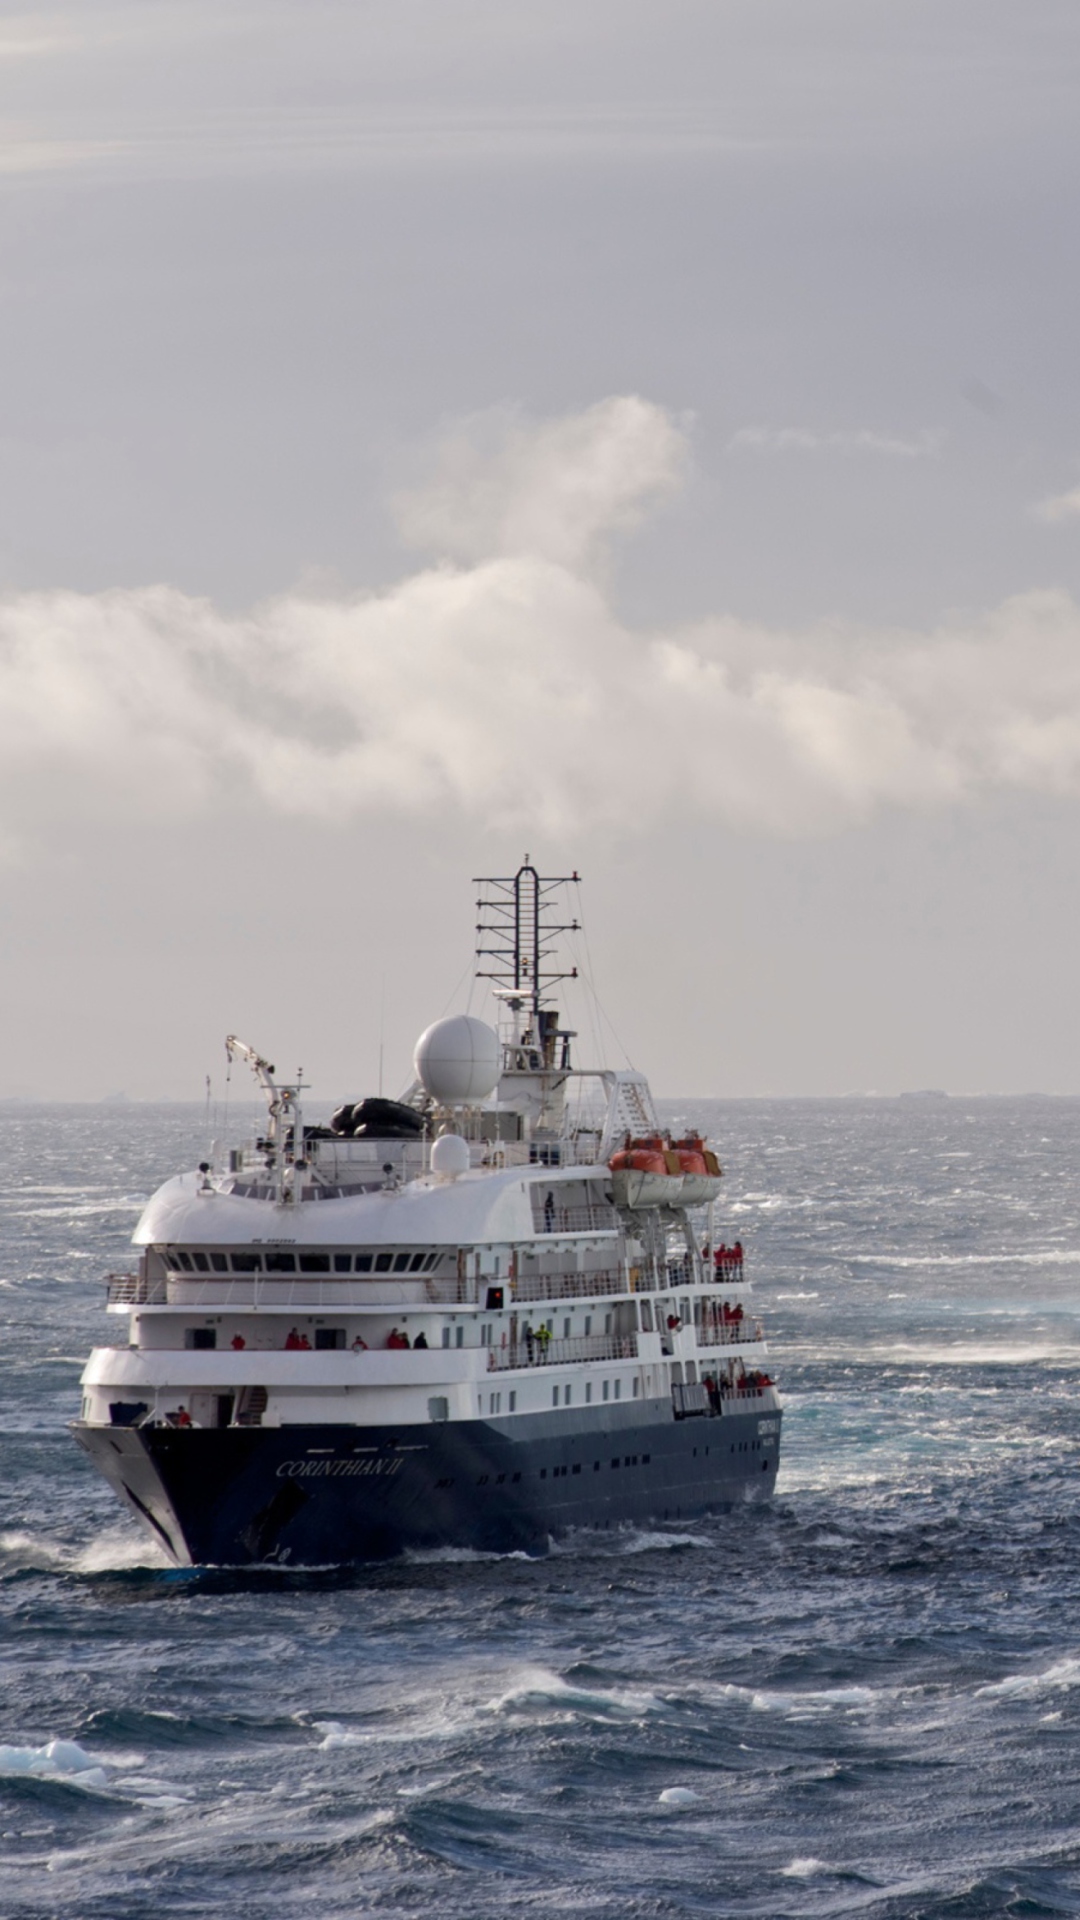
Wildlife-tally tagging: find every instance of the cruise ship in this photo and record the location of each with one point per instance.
(483, 1315)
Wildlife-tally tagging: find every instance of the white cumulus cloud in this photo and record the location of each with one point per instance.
(762, 439)
(1059, 507)
(499, 680)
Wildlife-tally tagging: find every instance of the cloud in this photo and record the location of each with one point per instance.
(840, 440)
(502, 682)
(504, 485)
(1059, 507)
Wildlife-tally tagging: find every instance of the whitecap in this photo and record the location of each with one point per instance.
(679, 1797)
(1061, 1677)
(58, 1760)
(804, 1868)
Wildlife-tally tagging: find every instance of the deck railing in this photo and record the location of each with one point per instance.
(591, 1285)
(730, 1333)
(291, 1292)
(553, 1353)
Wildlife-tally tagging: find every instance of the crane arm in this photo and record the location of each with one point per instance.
(262, 1069)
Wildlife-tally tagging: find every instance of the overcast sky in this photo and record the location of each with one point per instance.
(646, 436)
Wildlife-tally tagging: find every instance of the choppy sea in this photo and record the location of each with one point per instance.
(864, 1700)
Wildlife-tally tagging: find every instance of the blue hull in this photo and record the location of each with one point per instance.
(318, 1495)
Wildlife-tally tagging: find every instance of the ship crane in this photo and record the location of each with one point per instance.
(286, 1129)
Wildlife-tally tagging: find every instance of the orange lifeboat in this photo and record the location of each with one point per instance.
(700, 1170)
(646, 1174)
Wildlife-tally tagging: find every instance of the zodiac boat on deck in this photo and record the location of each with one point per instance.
(478, 1317)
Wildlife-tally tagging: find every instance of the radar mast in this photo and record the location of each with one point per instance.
(517, 930)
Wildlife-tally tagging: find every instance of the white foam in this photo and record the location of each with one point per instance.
(117, 1549)
(804, 1868)
(537, 1688)
(58, 1760)
(679, 1797)
(822, 1700)
(1061, 1677)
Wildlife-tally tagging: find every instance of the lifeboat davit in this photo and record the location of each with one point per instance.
(645, 1173)
(700, 1170)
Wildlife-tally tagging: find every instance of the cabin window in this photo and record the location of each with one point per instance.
(459, 1336)
(554, 1396)
(329, 1339)
(314, 1263)
(446, 1336)
(219, 1262)
(485, 1334)
(566, 1329)
(280, 1262)
(618, 1389)
(343, 1263)
(588, 1392)
(382, 1262)
(588, 1324)
(202, 1264)
(438, 1407)
(607, 1389)
(200, 1339)
(637, 1386)
(363, 1263)
(566, 1395)
(416, 1263)
(607, 1323)
(401, 1263)
(496, 1402)
(512, 1399)
(247, 1262)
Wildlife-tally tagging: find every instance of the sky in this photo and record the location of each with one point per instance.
(641, 436)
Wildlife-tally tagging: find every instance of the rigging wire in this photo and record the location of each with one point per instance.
(597, 1008)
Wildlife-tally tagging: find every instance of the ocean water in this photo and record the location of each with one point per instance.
(864, 1700)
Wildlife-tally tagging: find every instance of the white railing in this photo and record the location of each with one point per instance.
(556, 1219)
(729, 1333)
(290, 1292)
(134, 1290)
(551, 1353)
(568, 1286)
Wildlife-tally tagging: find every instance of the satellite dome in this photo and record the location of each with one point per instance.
(458, 1061)
(450, 1155)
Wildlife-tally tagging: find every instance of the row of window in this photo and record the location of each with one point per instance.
(557, 1473)
(628, 1460)
(277, 1260)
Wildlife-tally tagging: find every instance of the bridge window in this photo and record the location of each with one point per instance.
(314, 1263)
(382, 1262)
(343, 1263)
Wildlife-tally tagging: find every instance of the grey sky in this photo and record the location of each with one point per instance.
(299, 301)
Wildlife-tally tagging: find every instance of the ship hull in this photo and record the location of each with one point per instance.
(321, 1495)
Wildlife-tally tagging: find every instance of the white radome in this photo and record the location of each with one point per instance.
(457, 1060)
(450, 1156)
